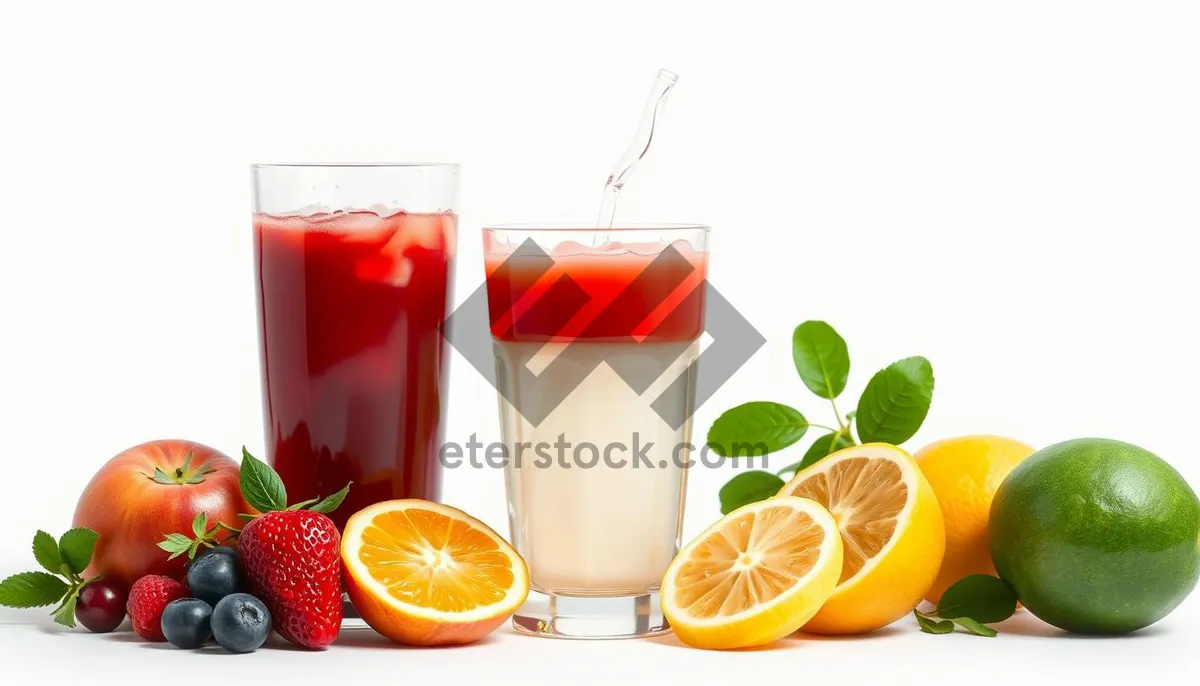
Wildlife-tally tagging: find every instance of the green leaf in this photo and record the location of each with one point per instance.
(261, 486)
(979, 597)
(200, 523)
(895, 402)
(45, 551)
(161, 477)
(301, 505)
(974, 628)
(820, 448)
(821, 358)
(823, 446)
(32, 589)
(176, 544)
(76, 548)
(65, 614)
(933, 625)
(748, 487)
(756, 428)
(332, 502)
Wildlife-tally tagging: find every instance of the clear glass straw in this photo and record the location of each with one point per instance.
(637, 148)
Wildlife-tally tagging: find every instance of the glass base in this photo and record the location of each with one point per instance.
(557, 616)
(350, 617)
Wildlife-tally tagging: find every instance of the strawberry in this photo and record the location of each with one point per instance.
(148, 598)
(290, 554)
(293, 564)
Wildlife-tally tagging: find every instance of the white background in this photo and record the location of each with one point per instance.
(1007, 188)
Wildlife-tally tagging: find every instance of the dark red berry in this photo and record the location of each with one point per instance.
(101, 606)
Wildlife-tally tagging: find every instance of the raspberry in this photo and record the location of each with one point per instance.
(147, 600)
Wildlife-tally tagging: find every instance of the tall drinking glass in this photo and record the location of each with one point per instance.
(353, 267)
(595, 334)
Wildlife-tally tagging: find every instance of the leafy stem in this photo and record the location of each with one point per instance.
(842, 429)
(891, 410)
(64, 560)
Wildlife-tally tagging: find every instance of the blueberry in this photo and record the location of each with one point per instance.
(219, 550)
(214, 576)
(187, 622)
(241, 623)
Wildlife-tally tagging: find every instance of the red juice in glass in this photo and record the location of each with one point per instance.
(351, 306)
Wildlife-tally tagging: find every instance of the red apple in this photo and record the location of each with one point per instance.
(149, 491)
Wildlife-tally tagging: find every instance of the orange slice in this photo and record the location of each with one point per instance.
(755, 576)
(427, 574)
(892, 529)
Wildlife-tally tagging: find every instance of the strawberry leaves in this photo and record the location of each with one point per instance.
(64, 561)
(261, 485)
(264, 491)
(332, 502)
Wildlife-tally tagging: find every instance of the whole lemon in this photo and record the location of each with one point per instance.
(965, 473)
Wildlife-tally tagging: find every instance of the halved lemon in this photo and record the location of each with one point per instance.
(427, 574)
(892, 529)
(755, 576)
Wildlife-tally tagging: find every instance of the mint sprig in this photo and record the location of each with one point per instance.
(64, 561)
(264, 491)
(891, 409)
(971, 604)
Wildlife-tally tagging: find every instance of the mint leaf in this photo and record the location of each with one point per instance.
(979, 597)
(176, 544)
(821, 358)
(933, 625)
(756, 428)
(32, 589)
(200, 523)
(45, 551)
(332, 502)
(261, 486)
(748, 487)
(974, 628)
(76, 547)
(895, 402)
(65, 614)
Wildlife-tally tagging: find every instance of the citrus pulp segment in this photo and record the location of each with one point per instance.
(892, 530)
(755, 576)
(427, 574)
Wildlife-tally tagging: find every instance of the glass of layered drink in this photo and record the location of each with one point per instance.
(596, 333)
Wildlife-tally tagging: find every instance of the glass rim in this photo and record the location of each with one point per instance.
(354, 165)
(578, 227)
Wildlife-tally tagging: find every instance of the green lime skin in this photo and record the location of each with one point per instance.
(1097, 536)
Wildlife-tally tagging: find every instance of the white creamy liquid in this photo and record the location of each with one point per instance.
(602, 530)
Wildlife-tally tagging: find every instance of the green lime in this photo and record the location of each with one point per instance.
(1097, 536)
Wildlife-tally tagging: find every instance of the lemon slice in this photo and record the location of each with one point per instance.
(892, 530)
(755, 576)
